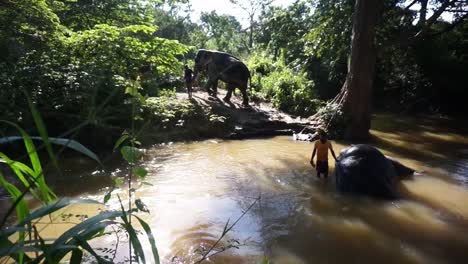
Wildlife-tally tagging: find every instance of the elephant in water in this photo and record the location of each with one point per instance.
(363, 169)
(225, 67)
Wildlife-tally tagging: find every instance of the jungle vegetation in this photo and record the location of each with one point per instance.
(93, 71)
(79, 60)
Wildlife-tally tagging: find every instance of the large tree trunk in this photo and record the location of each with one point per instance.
(251, 33)
(356, 93)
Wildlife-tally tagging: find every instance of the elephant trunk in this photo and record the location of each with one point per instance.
(197, 69)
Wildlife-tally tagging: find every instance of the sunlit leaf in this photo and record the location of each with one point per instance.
(121, 140)
(140, 172)
(118, 181)
(131, 154)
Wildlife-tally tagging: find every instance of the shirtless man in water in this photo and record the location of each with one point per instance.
(321, 147)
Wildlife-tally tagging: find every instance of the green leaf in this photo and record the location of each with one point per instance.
(7, 248)
(87, 224)
(88, 232)
(135, 242)
(118, 182)
(22, 210)
(131, 154)
(140, 172)
(42, 131)
(76, 257)
(108, 196)
(141, 206)
(121, 140)
(47, 194)
(19, 170)
(264, 261)
(85, 245)
(151, 239)
(75, 145)
(70, 143)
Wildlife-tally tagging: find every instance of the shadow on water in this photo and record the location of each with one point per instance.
(303, 220)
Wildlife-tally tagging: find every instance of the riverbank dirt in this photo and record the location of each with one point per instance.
(260, 119)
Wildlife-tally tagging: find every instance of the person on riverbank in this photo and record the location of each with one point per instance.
(321, 148)
(188, 75)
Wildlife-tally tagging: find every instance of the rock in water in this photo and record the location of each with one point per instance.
(363, 169)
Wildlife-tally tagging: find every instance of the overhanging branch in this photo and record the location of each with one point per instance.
(451, 26)
(410, 5)
(434, 18)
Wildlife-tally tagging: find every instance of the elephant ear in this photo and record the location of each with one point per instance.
(401, 170)
(206, 58)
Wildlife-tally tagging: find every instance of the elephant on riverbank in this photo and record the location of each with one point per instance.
(225, 67)
(363, 169)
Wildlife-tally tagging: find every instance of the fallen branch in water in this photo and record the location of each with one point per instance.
(225, 231)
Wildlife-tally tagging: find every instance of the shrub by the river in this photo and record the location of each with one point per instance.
(287, 88)
(172, 119)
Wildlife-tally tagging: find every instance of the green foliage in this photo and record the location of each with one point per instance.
(327, 45)
(78, 62)
(34, 172)
(131, 154)
(82, 14)
(310, 37)
(425, 76)
(289, 90)
(223, 32)
(76, 239)
(168, 112)
(284, 29)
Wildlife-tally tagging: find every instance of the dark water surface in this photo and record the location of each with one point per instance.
(197, 187)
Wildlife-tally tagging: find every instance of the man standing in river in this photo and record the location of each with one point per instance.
(321, 147)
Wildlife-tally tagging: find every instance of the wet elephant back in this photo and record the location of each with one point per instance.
(363, 169)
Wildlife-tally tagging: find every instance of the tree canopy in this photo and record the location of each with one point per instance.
(76, 58)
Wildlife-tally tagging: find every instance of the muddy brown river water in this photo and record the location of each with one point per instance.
(198, 186)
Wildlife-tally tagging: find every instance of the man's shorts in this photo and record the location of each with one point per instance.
(322, 166)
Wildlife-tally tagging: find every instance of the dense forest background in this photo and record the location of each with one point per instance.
(80, 61)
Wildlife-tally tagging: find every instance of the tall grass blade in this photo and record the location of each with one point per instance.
(8, 249)
(61, 250)
(76, 257)
(151, 239)
(135, 243)
(121, 140)
(134, 240)
(19, 170)
(81, 227)
(48, 195)
(22, 210)
(50, 208)
(42, 131)
(70, 143)
(85, 245)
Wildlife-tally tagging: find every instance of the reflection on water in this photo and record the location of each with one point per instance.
(198, 187)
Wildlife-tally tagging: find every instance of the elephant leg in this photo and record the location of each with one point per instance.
(215, 88)
(208, 86)
(245, 98)
(230, 89)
